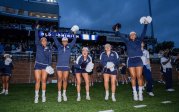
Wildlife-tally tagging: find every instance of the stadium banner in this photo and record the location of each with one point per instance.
(113, 39)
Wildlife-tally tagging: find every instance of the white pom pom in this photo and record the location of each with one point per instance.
(149, 19)
(142, 20)
(8, 61)
(89, 67)
(75, 28)
(49, 70)
(110, 64)
(112, 69)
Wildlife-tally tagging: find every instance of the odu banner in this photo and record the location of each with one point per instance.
(113, 39)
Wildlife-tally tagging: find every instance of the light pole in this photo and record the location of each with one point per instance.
(150, 13)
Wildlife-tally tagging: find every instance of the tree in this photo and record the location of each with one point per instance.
(164, 45)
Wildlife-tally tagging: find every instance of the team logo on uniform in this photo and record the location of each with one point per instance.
(112, 54)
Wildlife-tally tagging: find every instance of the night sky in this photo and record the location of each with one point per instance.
(102, 14)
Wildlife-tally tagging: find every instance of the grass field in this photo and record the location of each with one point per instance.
(21, 97)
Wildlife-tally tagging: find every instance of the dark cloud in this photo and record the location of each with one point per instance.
(102, 14)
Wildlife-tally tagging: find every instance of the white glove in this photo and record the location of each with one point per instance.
(8, 61)
(110, 65)
(75, 28)
(89, 67)
(49, 70)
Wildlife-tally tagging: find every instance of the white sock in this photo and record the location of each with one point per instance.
(134, 88)
(64, 92)
(36, 93)
(140, 89)
(6, 90)
(87, 93)
(107, 92)
(43, 93)
(59, 93)
(113, 94)
(78, 94)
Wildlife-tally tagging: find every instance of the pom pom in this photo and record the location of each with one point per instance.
(75, 28)
(8, 61)
(49, 70)
(89, 67)
(110, 64)
(149, 19)
(142, 20)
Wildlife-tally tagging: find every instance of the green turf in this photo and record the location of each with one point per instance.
(21, 97)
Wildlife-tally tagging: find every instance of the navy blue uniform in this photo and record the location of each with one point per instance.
(81, 64)
(123, 70)
(134, 49)
(64, 54)
(113, 57)
(7, 69)
(43, 55)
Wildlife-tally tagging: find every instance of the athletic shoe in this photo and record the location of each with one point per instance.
(2, 92)
(170, 90)
(113, 99)
(36, 100)
(59, 99)
(122, 82)
(150, 93)
(140, 97)
(106, 97)
(78, 98)
(6, 93)
(135, 96)
(43, 99)
(88, 98)
(64, 97)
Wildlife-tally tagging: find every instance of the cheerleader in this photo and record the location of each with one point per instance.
(123, 73)
(7, 67)
(83, 67)
(177, 67)
(147, 70)
(134, 61)
(63, 65)
(109, 60)
(42, 65)
(167, 70)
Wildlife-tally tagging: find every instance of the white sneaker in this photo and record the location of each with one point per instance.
(36, 100)
(78, 98)
(141, 97)
(2, 92)
(88, 98)
(150, 93)
(106, 97)
(113, 99)
(6, 93)
(43, 99)
(135, 96)
(59, 99)
(64, 97)
(170, 90)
